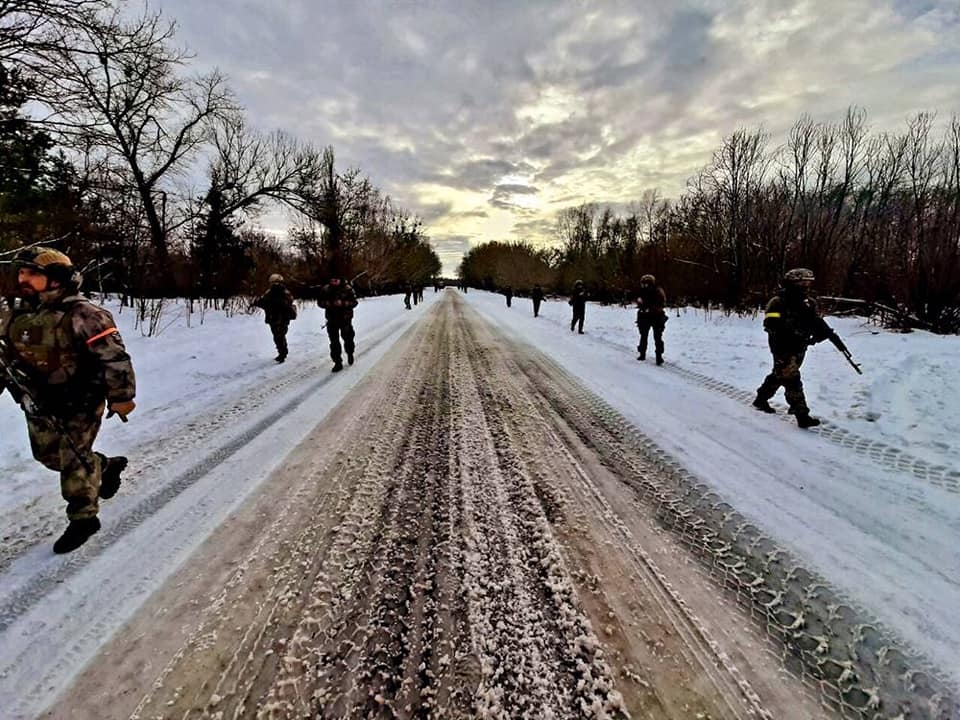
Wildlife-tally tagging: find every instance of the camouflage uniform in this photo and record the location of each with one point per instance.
(338, 302)
(537, 297)
(578, 301)
(792, 323)
(651, 316)
(279, 309)
(74, 358)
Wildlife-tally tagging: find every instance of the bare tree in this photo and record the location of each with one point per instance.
(250, 168)
(116, 86)
(30, 25)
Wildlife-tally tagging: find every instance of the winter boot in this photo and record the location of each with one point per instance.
(76, 534)
(659, 359)
(349, 358)
(805, 420)
(337, 366)
(110, 469)
(760, 404)
(280, 358)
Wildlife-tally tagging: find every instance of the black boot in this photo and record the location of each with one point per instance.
(280, 358)
(805, 420)
(349, 358)
(337, 366)
(76, 534)
(761, 404)
(110, 469)
(659, 359)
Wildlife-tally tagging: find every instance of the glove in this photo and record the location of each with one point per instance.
(122, 408)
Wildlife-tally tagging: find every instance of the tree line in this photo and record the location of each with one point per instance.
(875, 215)
(104, 166)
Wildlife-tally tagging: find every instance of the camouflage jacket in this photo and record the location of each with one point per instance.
(338, 302)
(578, 300)
(650, 305)
(70, 353)
(793, 322)
(277, 304)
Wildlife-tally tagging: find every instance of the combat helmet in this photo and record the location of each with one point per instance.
(798, 275)
(276, 278)
(648, 279)
(52, 263)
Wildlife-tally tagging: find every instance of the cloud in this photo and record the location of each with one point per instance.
(487, 117)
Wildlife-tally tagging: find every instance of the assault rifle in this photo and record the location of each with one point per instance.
(838, 344)
(18, 383)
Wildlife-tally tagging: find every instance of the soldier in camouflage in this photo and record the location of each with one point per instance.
(279, 310)
(338, 301)
(792, 323)
(651, 315)
(578, 301)
(70, 365)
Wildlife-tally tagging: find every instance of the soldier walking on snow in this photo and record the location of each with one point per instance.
(651, 316)
(537, 296)
(508, 293)
(406, 296)
(338, 301)
(578, 301)
(792, 324)
(279, 310)
(63, 361)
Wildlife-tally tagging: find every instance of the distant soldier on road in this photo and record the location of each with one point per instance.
(508, 293)
(651, 315)
(338, 300)
(578, 301)
(62, 360)
(537, 296)
(407, 292)
(792, 323)
(279, 309)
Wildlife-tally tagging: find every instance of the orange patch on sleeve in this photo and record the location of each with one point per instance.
(98, 336)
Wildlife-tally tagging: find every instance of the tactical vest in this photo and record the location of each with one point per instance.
(43, 342)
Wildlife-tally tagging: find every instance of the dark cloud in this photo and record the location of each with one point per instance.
(503, 197)
(516, 189)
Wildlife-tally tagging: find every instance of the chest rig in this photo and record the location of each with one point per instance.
(43, 342)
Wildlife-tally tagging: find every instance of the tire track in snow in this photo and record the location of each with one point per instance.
(243, 419)
(836, 647)
(893, 458)
(518, 398)
(194, 434)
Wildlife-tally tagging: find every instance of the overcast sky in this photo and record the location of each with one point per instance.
(485, 118)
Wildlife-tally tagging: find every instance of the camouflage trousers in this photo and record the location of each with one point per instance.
(279, 330)
(644, 326)
(786, 374)
(578, 316)
(78, 465)
(336, 329)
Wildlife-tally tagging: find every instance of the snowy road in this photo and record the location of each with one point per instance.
(470, 533)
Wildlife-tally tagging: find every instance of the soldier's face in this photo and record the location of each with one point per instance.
(31, 282)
